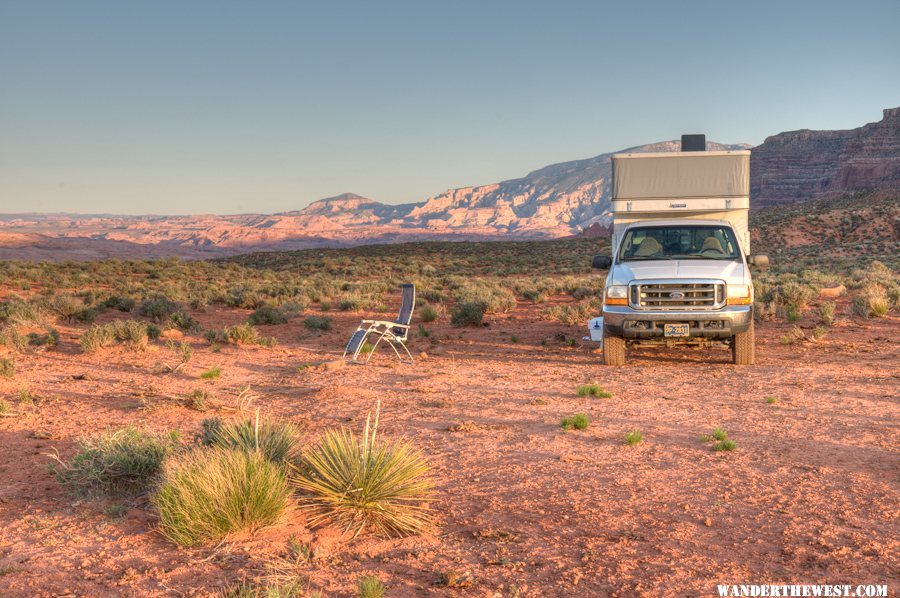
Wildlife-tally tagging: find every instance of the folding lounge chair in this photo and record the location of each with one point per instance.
(395, 333)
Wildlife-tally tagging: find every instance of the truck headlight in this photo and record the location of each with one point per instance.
(738, 294)
(616, 295)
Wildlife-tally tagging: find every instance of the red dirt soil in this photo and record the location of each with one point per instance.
(809, 495)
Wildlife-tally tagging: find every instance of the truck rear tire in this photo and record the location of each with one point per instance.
(743, 347)
(613, 350)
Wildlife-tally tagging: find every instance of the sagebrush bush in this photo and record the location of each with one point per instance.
(277, 440)
(365, 483)
(184, 321)
(318, 323)
(158, 308)
(826, 313)
(268, 315)
(204, 495)
(428, 313)
(131, 333)
(467, 314)
(124, 461)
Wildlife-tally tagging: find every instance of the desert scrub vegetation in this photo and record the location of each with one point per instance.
(467, 314)
(593, 390)
(132, 334)
(572, 314)
(268, 315)
(115, 462)
(720, 439)
(428, 313)
(158, 308)
(369, 586)
(204, 495)
(634, 437)
(365, 483)
(277, 440)
(239, 334)
(871, 302)
(579, 421)
(212, 373)
(493, 297)
(826, 313)
(7, 368)
(322, 323)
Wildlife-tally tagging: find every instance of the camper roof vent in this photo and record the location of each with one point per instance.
(693, 143)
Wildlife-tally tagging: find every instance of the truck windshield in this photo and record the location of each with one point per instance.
(679, 242)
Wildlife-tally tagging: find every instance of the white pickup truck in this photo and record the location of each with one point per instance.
(679, 274)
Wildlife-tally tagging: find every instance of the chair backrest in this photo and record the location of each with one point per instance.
(407, 305)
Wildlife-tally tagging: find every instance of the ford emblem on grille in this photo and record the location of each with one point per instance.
(676, 295)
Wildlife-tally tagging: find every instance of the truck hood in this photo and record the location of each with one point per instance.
(732, 272)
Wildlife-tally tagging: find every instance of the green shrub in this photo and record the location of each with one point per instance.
(184, 321)
(826, 313)
(124, 461)
(369, 587)
(593, 390)
(579, 421)
(277, 440)
(131, 333)
(204, 495)
(318, 323)
(268, 315)
(240, 334)
(428, 314)
(362, 483)
(467, 314)
(634, 437)
(725, 445)
(158, 308)
(7, 368)
(4, 408)
(212, 373)
(125, 304)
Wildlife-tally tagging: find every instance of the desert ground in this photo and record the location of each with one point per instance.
(523, 507)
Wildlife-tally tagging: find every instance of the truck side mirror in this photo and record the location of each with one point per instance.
(601, 262)
(758, 260)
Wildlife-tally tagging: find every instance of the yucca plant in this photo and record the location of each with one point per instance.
(205, 495)
(276, 439)
(363, 483)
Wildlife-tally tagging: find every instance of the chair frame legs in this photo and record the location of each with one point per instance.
(383, 335)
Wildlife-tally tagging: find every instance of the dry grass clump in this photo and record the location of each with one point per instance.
(871, 302)
(240, 334)
(204, 495)
(365, 483)
(369, 586)
(7, 368)
(593, 390)
(117, 462)
(277, 440)
(131, 333)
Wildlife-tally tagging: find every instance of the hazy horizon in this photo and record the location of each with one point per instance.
(229, 108)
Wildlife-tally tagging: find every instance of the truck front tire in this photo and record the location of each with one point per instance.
(613, 350)
(743, 347)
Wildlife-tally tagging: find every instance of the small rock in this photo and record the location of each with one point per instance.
(707, 522)
(423, 355)
(172, 333)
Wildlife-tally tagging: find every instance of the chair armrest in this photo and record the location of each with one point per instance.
(385, 323)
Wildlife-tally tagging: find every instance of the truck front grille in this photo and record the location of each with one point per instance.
(678, 295)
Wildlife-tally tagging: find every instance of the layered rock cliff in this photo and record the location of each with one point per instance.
(801, 165)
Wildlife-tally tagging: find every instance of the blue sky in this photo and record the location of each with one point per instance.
(219, 106)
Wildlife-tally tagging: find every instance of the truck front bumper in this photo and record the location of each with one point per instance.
(631, 323)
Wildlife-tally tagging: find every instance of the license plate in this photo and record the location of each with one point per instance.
(676, 330)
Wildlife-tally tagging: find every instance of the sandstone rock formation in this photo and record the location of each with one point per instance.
(801, 165)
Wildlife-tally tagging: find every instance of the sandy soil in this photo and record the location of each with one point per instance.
(810, 494)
